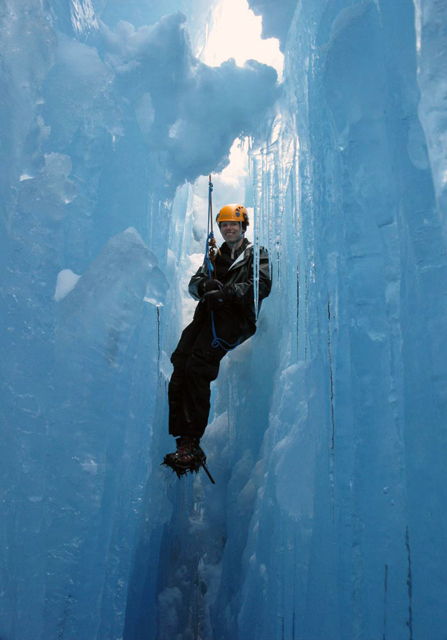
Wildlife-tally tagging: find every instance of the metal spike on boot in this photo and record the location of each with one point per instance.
(188, 458)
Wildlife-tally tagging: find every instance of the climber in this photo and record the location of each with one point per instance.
(224, 318)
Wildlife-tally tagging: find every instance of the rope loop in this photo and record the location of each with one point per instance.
(220, 342)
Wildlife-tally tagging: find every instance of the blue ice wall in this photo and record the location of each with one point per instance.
(364, 430)
(327, 437)
(328, 440)
(101, 121)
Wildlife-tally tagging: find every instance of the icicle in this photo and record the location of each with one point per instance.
(256, 232)
(257, 173)
(158, 337)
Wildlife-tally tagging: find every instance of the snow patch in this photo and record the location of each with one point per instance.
(133, 232)
(153, 301)
(90, 466)
(66, 282)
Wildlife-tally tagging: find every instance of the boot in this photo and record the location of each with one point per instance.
(188, 457)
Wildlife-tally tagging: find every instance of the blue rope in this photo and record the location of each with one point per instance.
(209, 234)
(220, 342)
(217, 342)
(209, 264)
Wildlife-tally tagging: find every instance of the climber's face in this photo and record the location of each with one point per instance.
(231, 231)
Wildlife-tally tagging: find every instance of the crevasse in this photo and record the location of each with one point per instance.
(330, 427)
(327, 439)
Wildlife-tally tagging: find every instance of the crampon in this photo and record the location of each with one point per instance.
(189, 458)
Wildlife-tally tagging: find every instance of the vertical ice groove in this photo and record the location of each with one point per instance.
(409, 585)
(158, 338)
(331, 375)
(332, 413)
(385, 597)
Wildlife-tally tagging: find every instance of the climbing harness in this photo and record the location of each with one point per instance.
(210, 257)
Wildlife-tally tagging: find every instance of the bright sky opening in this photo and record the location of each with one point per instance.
(236, 33)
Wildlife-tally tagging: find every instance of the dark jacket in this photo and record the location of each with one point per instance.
(237, 277)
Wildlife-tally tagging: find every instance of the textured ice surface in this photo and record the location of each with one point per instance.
(431, 25)
(327, 437)
(330, 425)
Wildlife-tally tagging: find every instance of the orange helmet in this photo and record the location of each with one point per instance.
(236, 212)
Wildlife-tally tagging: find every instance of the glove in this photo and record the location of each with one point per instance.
(214, 299)
(208, 285)
(212, 285)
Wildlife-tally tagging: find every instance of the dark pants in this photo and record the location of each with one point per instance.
(196, 365)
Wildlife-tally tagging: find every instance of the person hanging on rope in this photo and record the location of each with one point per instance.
(224, 318)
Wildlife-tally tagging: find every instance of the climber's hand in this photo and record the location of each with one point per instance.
(213, 285)
(214, 299)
